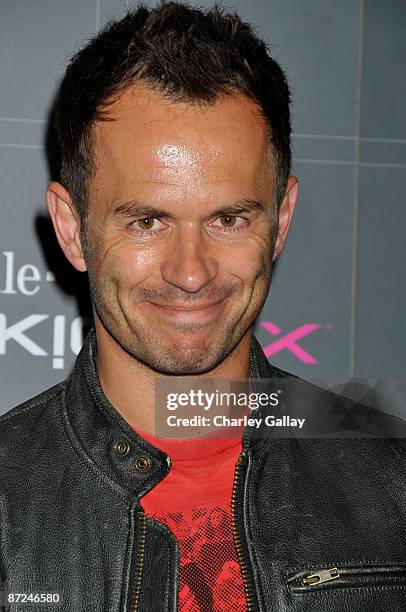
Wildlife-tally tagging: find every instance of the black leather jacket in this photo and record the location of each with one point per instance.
(72, 473)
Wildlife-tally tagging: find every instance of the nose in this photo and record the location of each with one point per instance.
(189, 265)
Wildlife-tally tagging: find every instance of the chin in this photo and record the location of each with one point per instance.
(181, 369)
(193, 362)
(191, 350)
(180, 360)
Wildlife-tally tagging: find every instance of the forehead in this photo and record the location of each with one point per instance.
(144, 137)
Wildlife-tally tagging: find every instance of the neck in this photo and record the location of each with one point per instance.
(129, 384)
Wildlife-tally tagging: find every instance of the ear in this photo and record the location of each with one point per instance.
(66, 224)
(286, 211)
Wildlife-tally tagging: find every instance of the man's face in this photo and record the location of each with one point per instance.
(181, 227)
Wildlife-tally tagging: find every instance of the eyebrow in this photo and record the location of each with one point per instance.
(134, 208)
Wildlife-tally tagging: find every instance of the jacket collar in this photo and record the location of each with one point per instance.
(107, 442)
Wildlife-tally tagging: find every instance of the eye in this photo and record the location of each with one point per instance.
(147, 225)
(230, 223)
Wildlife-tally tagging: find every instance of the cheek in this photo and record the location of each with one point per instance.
(125, 266)
(250, 260)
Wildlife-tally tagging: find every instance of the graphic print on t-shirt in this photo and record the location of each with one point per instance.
(210, 575)
(194, 502)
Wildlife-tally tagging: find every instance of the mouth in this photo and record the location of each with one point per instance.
(188, 313)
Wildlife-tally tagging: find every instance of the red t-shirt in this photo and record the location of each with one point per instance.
(194, 502)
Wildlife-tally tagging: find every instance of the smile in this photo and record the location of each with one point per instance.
(190, 313)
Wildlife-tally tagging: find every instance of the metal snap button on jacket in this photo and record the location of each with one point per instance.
(122, 447)
(143, 463)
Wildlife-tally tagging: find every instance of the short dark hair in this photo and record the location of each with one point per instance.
(186, 54)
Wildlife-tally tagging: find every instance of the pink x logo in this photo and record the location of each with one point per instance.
(289, 341)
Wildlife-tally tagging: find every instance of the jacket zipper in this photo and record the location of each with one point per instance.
(364, 575)
(236, 538)
(140, 548)
(324, 575)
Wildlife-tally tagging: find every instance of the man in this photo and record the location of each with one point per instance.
(176, 196)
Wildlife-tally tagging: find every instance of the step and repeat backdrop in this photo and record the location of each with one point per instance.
(336, 309)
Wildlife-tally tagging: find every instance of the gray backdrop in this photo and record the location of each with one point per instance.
(336, 307)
